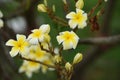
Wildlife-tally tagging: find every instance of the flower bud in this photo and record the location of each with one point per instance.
(78, 57)
(57, 58)
(42, 8)
(64, 1)
(79, 4)
(53, 8)
(1, 23)
(1, 14)
(68, 66)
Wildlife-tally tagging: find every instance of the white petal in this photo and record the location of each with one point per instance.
(59, 39)
(11, 42)
(33, 41)
(81, 26)
(22, 37)
(67, 45)
(72, 24)
(79, 11)
(45, 28)
(14, 52)
(70, 15)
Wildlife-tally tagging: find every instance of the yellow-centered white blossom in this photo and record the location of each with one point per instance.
(68, 66)
(78, 57)
(35, 53)
(42, 8)
(68, 39)
(20, 46)
(40, 35)
(77, 19)
(48, 61)
(79, 4)
(29, 68)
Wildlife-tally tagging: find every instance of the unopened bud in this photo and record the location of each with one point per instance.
(57, 58)
(68, 66)
(105, 0)
(78, 57)
(53, 7)
(79, 4)
(45, 2)
(1, 23)
(1, 14)
(42, 8)
(64, 1)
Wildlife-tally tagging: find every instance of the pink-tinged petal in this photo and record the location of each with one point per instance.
(72, 24)
(67, 45)
(45, 28)
(14, 52)
(70, 15)
(11, 42)
(21, 37)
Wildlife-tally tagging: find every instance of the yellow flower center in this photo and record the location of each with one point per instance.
(37, 33)
(79, 17)
(68, 36)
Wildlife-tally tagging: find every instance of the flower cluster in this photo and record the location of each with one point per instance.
(37, 51)
(30, 49)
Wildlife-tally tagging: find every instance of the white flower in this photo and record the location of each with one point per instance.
(40, 35)
(19, 46)
(68, 39)
(29, 67)
(77, 19)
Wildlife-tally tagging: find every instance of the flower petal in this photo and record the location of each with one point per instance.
(11, 42)
(70, 15)
(21, 37)
(72, 24)
(14, 52)
(67, 45)
(45, 28)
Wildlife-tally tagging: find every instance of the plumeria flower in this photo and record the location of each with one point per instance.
(77, 19)
(20, 46)
(35, 53)
(29, 67)
(68, 39)
(48, 61)
(40, 35)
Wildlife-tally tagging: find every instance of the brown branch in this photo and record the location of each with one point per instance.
(101, 40)
(50, 66)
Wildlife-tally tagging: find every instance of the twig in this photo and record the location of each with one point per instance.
(101, 40)
(50, 66)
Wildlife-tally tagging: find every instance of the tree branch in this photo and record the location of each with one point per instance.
(101, 40)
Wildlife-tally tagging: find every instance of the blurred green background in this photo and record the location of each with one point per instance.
(16, 15)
